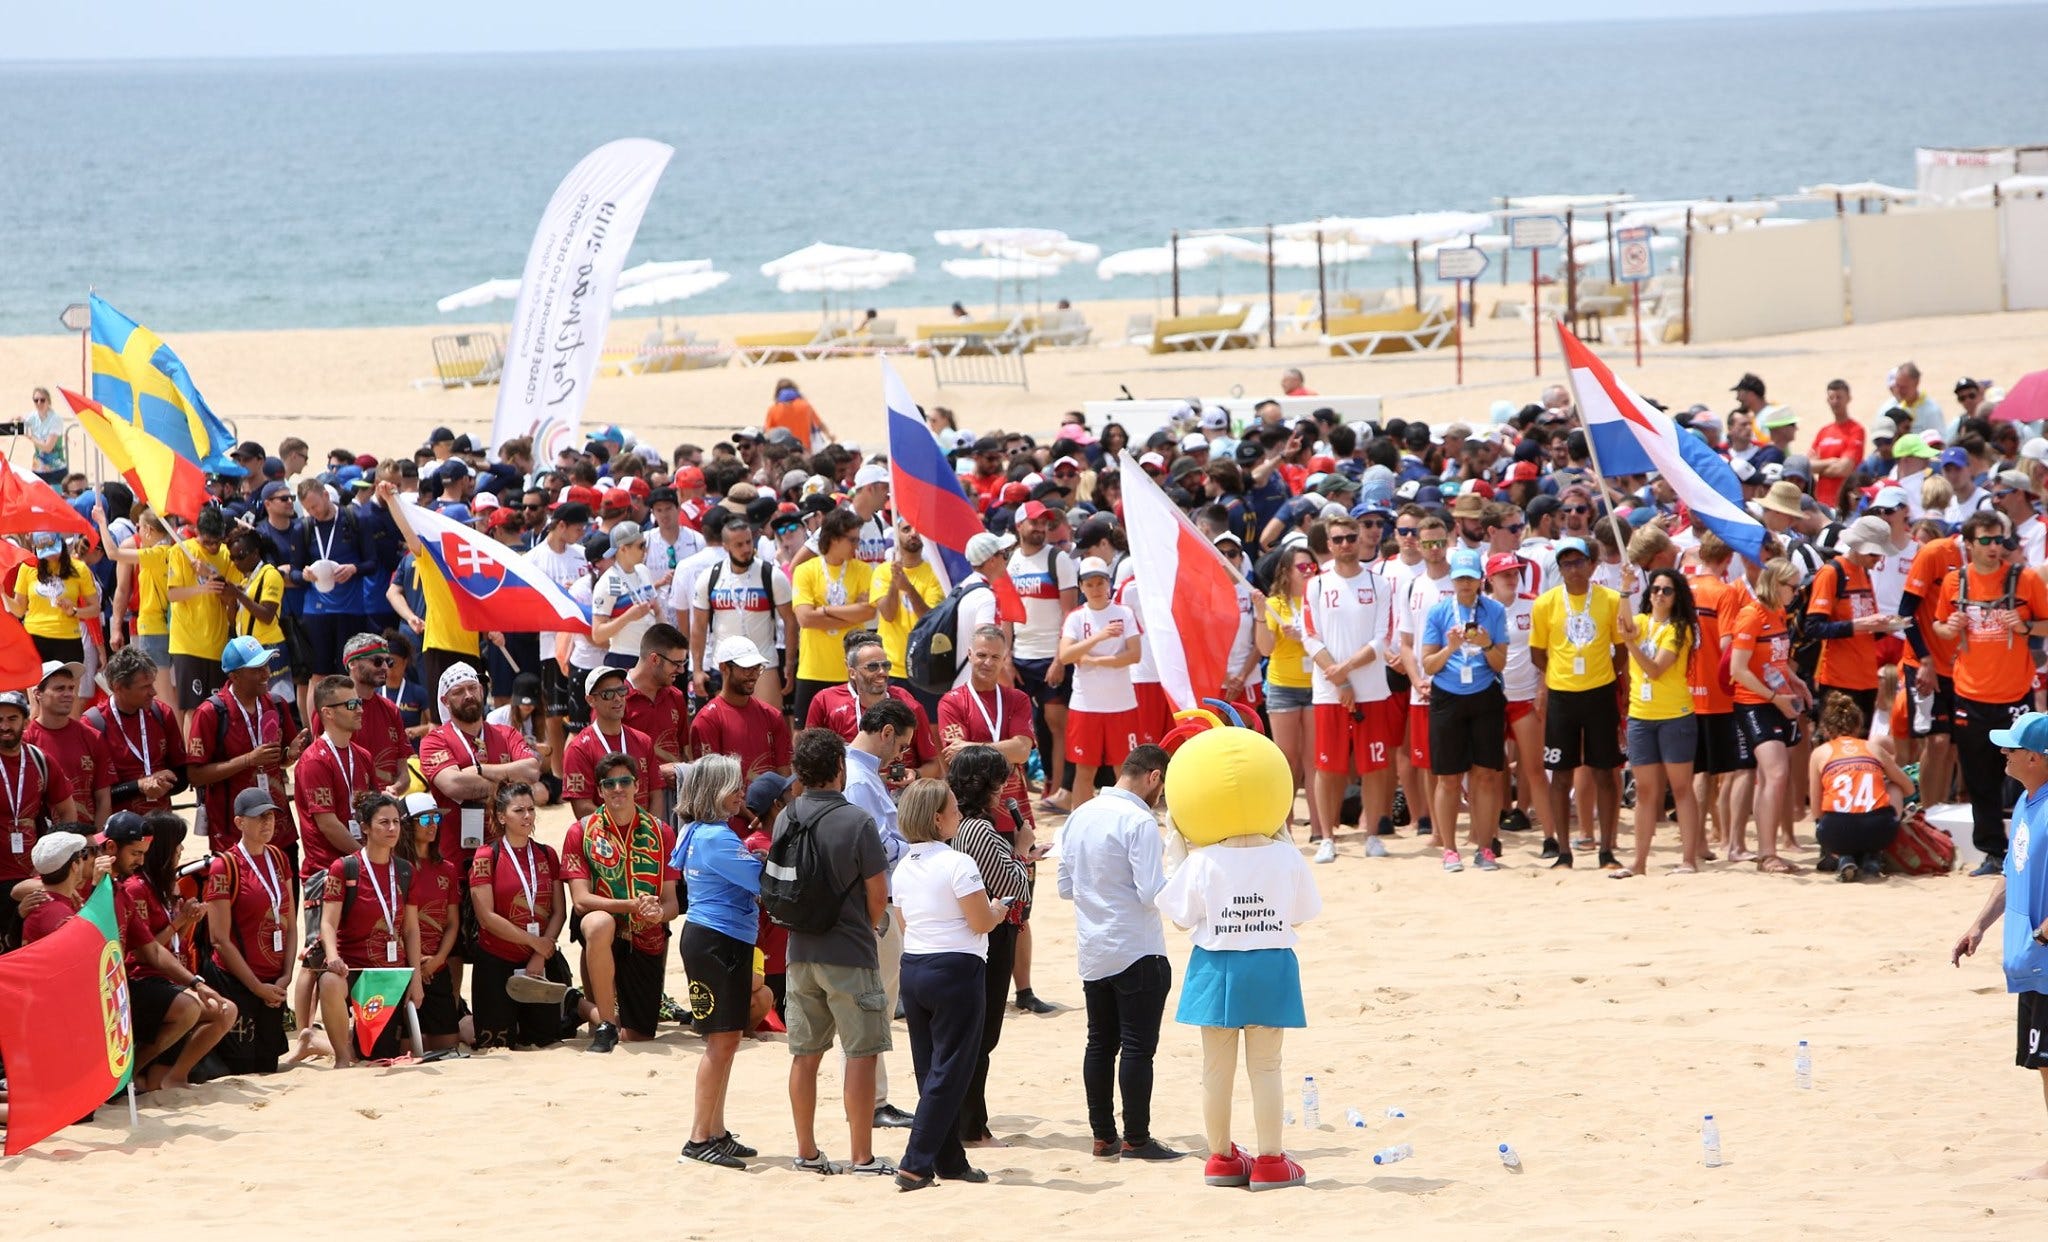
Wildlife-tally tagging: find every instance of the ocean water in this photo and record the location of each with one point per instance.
(326, 193)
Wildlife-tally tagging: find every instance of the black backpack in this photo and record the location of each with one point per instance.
(933, 659)
(796, 882)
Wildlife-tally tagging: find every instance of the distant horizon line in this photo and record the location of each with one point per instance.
(1876, 10)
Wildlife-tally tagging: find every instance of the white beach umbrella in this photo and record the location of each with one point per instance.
(661, 269)
(999, 270)
(479, 295)
(1563, 202)
(674, 288)
(1294, 252)
(1421, 226)
(2026, 184)
(1706, 214)
(1061, 252)
(989, 240)
(1587, 253)
(821, 256)
(1861, 190)
(1144, 261)
(842, 278)
(1491, 243)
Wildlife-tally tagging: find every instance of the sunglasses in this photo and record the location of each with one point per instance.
(1341, 540)
(1516, 529)
(2008, 542)
(1884, 513)
(428, 819)
(1405, 532)
(1574, 509)
(2002, 495)
(616, 782)
(1304, 567)
(615, 692)
(353, 705)
(381, 661)
(669, 660)
(1434, 543)
(878, 666)
(1663, 588)
(532, 508)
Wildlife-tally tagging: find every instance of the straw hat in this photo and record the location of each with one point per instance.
(1783, 498)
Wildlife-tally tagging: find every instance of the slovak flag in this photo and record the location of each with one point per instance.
(1634, 437)
(1179, 575)
(927, 494)
(494, 587)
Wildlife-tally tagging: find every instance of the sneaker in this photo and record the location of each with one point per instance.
(1385, 828)
(1326, 851)
(1423, 828)
(873, 1166)
(1516, 820)
(1873, 868)
(1150, 1149)
(1400, 815)
(711, 1152)
(1487, 862)
(731, 1143)
(605, 1038)
(1028, 1001)
(1108, 1149)
(1992, 865)
(1451, 863)
(815, 1164)
(672, 1012)
(1846, 872)
(1276, 1172)
(1375, 848)
(890, 1117)
(1232, 1168)
(1563, 859)
(1550, 847)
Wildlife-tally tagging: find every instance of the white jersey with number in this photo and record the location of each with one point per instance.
(1345, 615)
(1098, 689)
(1410, 613)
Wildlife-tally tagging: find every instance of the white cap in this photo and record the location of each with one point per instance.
(1094, 567)
(2035, 449)
(738, 649)
(55, 850)
(1194, 441)
(598, 674)
(1745, 472)
(484, 500)
(1152, 459)
(53, 667)
(1884, 428)
(1894, 497)
(1215, 420)
(873, 472)
(985, 545)
(417, 804)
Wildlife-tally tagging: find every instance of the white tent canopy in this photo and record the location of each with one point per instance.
(999, 269)
(2024, 183)
(1562, 202)
(661, 269)
(479, 295)
(674, 288)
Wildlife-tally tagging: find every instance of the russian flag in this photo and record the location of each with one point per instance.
(1179, 575)
(494, 587)
(927, 493)
(1632, 436)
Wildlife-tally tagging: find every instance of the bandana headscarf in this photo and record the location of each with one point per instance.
(455, 676)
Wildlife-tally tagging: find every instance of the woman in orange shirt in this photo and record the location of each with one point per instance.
(794, 414)
(1768, 700)
(1857, 788)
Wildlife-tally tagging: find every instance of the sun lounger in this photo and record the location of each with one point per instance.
(1138, 330)
(1064, 327)
(760, 348)
(1396, 332)
(1195, 332)
(1251, 333)
(1015, 335)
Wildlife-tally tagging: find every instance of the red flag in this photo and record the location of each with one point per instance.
(1188, 592)
(65, 1025)
(21, 665)
(29, 506)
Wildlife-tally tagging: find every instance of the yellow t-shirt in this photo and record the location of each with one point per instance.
(444, 630)
(265, 586)
(43, 619)
(896, 634)
(200, 626)
(1552, 623)
(1287, 667)
(1669, 695)
(152, 602)
(821, 654)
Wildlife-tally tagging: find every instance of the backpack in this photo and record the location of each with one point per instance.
(2005, 600)
(797, 892)
(1919, 848)
(351, 880)
(932, 658)
(213, 799)
(1805, 646)
(767, 588)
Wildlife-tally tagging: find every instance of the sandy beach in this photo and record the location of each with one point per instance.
(1586, 1022)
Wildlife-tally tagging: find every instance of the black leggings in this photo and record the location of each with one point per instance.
(1002, 955)
(1982, 767)
(1858, 836)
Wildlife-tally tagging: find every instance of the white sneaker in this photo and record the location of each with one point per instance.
(1452, 862)
(1326, 851)
(1374, 848)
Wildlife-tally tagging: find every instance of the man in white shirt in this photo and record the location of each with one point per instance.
(884, 730)
(1046, 580)
(740, 593)
(1357, 721)
(988, 555)
(669, 542)
(1410, 612)
(560, 556)
(1111, 868)
(2012, 492)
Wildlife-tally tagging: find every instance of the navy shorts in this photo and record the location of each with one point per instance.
(1031, 680)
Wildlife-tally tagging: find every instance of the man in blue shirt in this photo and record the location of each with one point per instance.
(2021, 896)
(1464, 647)
(885, 729)
(334, 609)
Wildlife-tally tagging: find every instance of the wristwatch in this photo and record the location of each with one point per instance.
(2039, 938)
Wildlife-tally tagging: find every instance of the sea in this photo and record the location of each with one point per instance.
(355, 192)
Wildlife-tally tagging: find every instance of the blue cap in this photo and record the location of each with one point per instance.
(764, 792)
(346, 475)
(2028, 732)
(244, 652)
(273, 467)
(457, 513)
(1955, 457)
(47, 544)
(1572, 543)
(1367, 507)
(1465, 563)
(277, 488)
(1641, 515)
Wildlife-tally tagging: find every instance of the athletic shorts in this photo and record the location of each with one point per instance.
(555, 693)
(637, 976)
(327, 635)
(197, 678)
(824, 1000)
(151, 999)
(1155, 712)
(439, 1014)
(1288, 698)
(1468, 731)
(1583, 729)
(1943, 712)
(1891, 648)
(502, 1022)
(721, 971)
(1518, 708)
(1418, 735)
(1031, 676)
(1675, 740)
(1104, 739)
(1360, 738)
(1763, 722)
(157, 647)
(1723, 746)
(1842, 832)
(2033, 1053)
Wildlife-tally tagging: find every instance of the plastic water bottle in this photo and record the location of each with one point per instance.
(1802, 1067)
(1393, 1155)
(1710, 1137)
(1509, 1158)
(1311, 1103)
(1354, 1119)
(1396, 1113)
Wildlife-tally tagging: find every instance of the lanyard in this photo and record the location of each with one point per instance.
(345, 765)
(272, 886)
(313, 532)
(835, 588)
(15, 786)
(255, 727)
(527, 875)
(384, 692)
(995, 727)
(606, 742)
(142, 725)
(471, 746)
(389, 907)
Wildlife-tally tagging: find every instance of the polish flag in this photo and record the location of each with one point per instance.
(1189, 593)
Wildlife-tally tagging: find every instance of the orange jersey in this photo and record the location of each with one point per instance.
(1710, 598)
(1841, 592)
(1931, 564)
(797, 417)
(1763, 633)
(1852, 781)
(1993, 664)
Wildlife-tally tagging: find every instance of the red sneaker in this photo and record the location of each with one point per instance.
(1233, 1168)
(1275, 1172)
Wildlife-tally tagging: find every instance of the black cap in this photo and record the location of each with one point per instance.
(1528, 450)
(1159, 440)
(987, 444)
(663, 496)
(596, 547)
(1249, 452)
(453, 468)
(575, 513)
(463, 444)
(246, 449)
(761, 508)
(816, 502)
(1542, 507)
(125, 828)
(1749, 383)
(440, 434)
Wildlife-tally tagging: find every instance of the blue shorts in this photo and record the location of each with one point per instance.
(1287, 698)
(1663, 741)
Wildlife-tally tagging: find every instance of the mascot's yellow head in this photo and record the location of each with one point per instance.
(1226, 782)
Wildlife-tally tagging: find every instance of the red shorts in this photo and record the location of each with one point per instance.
(1418, 735)
(1517, 710)
(1155, 712)
(1363, 745)
(1891, 648)
(1101, 739)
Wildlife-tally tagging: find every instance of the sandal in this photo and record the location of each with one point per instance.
(1741, 856)
(1771, 864)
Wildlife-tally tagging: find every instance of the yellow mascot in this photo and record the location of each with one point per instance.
(1240, 893)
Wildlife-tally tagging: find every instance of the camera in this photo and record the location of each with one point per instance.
(14, 428)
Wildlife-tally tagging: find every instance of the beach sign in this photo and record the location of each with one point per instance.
(1535, 232)
(1460, 263)
(1632, 256)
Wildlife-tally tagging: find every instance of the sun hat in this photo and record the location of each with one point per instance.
(1783, 498)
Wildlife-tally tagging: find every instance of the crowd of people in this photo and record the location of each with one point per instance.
(267, 724)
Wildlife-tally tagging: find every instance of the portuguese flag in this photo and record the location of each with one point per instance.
(66, 1031)
(374, 1000)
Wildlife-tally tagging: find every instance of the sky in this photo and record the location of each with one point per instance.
(152, 29)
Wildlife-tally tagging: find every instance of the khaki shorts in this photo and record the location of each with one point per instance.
(822, 999)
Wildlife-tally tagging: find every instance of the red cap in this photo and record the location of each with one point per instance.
(1031, 510)
(689, 476)
(577, 494)
(1523, 472)
(617, 502)
(1324, 463)
(1503, 563)
(366, 461)
(504, 516)
(1015, 494)
(1483, 488)
(636, 487)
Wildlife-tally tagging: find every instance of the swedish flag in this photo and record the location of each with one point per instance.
(140, 380)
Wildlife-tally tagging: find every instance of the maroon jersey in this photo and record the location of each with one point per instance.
(257, 888)
(662, 718)
(326, 782)
(581, 756)
(507, 873)
(446, 748)
(837, 708)
(754, 733)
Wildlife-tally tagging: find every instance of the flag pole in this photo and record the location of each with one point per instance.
(134, 1120)
(1593, 453)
